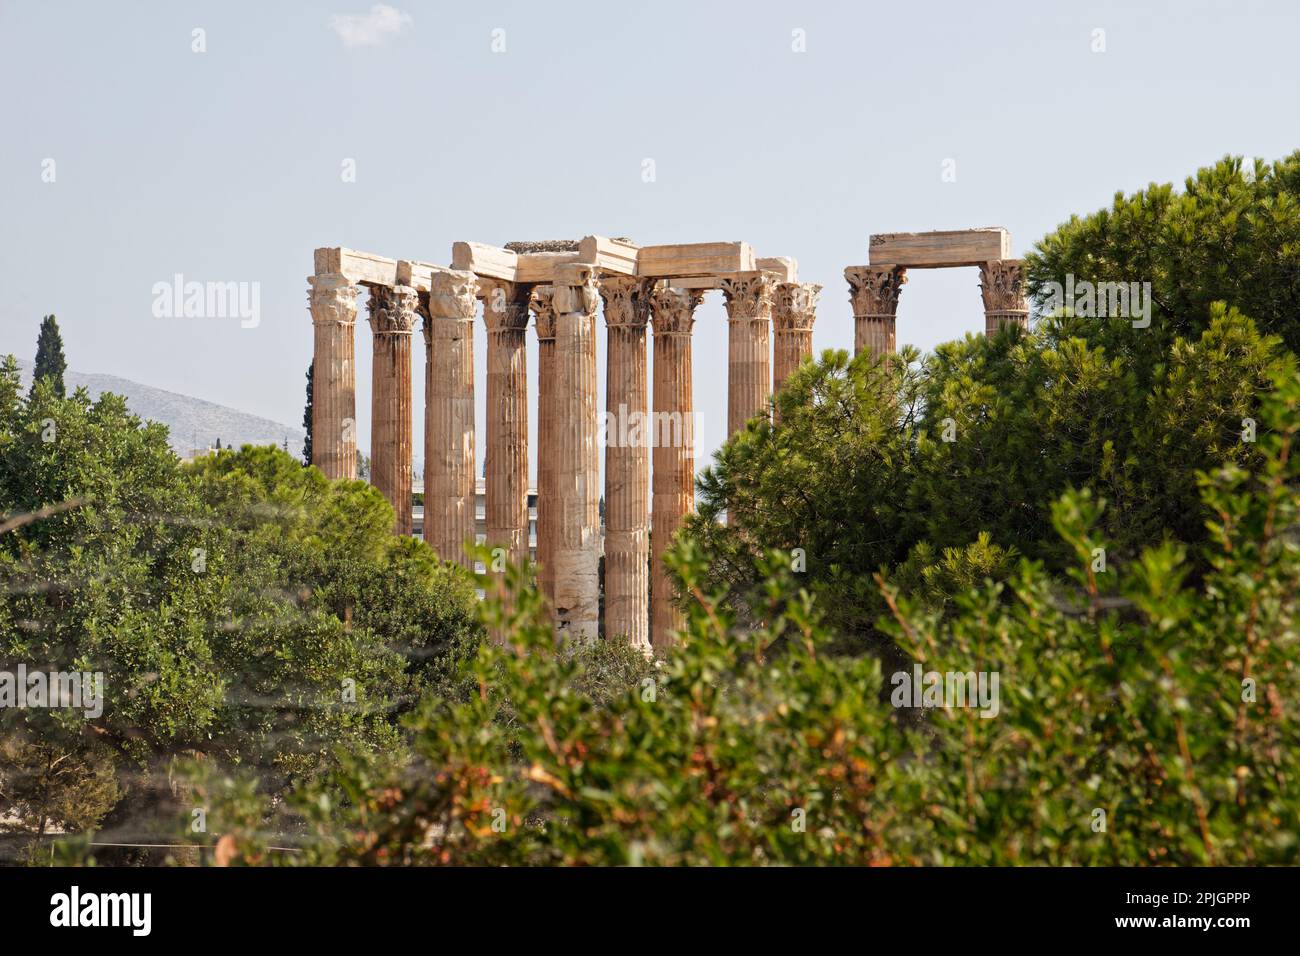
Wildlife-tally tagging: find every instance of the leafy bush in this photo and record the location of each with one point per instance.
(1142, 718)
(232, 606)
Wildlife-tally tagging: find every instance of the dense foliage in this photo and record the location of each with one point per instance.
(941, 470)
(1086, 534)
(242, 608)
(1142, 718)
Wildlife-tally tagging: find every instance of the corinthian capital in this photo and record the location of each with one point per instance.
(332, 298)
(627, 302)
(672, 311)
(393, 309)
(575, 289)
(505, 304)
(874, 290)
(452, 295)
(749, 295)
(794, 306)
(542, 302)
(452, 304)
(1001, 284)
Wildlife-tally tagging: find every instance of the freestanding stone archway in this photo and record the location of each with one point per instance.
(874, 289)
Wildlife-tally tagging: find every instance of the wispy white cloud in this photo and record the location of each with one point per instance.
(369, 29)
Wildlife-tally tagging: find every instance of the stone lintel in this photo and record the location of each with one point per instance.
(362, 268)
(611, 256)
(417, 275)
(540, 267)
(941, 249)
(694, 259)
(490, 262)
(783, 267)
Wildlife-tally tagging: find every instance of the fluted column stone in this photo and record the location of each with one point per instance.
(449, 416)
(627, 462)
(333, 303)
(576, 460)
(541, 303)
(672, 315)
(874, 291)
(749, 361)
(505, 465)
(1002, 288)
(392, 321)
(794, 310)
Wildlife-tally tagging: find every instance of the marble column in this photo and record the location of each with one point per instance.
(541, 302)
(749, 360)
(576, 497)
(333, 303)
(874, 293)
(505, 312)
(627, 462)
(794, 309)
(672, 315)
(449, 415)
(1002, 288)
(392, 320)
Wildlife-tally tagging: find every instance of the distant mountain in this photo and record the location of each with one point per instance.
(192, 422)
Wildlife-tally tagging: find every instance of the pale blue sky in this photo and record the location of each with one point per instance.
(225, 165)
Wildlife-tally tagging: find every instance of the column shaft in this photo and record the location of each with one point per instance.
(576, 461)
(541, 303)
(794, 310)
(333, 302)
(874, 292)
(449, 416)
(392, 320)
(749, 366)
(627, 463)
(505, 466)
(673, 424)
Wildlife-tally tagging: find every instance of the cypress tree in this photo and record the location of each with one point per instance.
(306, 423)
(50, 362)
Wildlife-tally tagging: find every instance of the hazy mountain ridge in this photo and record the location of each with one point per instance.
(191, 422)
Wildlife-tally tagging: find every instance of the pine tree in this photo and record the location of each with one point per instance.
(50, 362)
(306, 423)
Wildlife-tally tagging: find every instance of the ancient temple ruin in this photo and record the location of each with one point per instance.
(560, 285)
